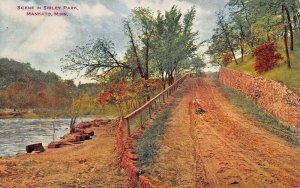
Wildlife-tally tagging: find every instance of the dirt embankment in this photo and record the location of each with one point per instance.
(90, 164)
(221, 148)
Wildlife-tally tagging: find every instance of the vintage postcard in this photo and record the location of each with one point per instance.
(149, 93)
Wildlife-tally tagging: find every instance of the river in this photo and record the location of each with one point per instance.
(15, 134)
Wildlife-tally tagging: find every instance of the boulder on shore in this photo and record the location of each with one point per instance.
(35, 147)
(88, 131)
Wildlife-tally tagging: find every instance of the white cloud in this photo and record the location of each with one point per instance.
(92, 10)
(30, 35)
(156, 4)
(8, 9)
(40, 34)
(51, 34)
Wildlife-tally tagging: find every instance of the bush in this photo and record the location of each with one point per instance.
(226, 58)
(266, 57)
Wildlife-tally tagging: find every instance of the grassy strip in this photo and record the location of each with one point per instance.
(148, 144)
(247, 106)
(290, 77)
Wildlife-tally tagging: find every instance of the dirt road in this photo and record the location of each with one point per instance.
(90, 164)
(221, 148)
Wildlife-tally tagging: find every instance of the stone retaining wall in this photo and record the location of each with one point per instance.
(274, 97)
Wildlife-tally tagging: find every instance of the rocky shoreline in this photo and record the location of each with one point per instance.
(83, 131)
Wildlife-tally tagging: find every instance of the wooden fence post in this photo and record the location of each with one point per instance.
(128, 126)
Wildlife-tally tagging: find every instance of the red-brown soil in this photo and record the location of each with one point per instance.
(221, 148)
(90, 164)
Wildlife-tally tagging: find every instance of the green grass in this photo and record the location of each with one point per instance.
(248, 107)
(148, 144)
(290, 77)
(245, 66)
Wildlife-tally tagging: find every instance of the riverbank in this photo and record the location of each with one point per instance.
(16, 133)
(33, 113)
(108, 111)
(89, 164)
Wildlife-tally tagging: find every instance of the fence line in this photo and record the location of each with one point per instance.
(124, 143)
(145, 112)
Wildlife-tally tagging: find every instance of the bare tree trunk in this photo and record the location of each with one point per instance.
(139, 66)
(228, 42)
(242, 37)
(286, 47)
(146, 73)
(249, 24)
(222, 23)
(231, 48)
(290, 27)
(286, 39)
(296, 22)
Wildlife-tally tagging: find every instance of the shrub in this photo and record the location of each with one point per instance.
(266, 57)
(226, 58)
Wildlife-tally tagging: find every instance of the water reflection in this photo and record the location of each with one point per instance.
(15, 134)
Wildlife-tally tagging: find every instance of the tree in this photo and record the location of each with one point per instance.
(127, 96)
(175, 42)
(97, 56)
(224, 27)
(139, 28)
(255, 22)
(195, 64)
(155, 44)
(286, 10)
(243, 17)
(285, 35)
(217, 46)
(75, 111)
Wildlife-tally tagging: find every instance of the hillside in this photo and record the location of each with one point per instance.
(290, 77)
(22, 88)
(13, 71)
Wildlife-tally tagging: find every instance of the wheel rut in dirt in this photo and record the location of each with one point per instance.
(222, 148)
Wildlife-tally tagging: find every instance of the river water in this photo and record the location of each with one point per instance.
(15, 134)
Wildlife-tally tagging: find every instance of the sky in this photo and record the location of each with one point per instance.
(44, 40)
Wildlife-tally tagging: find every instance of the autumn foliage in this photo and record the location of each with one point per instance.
(128, 95)
(226, 58)
(266, 57)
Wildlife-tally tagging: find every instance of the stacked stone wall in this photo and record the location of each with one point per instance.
(274, 97)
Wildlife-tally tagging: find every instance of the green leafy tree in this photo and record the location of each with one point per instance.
(175, 42)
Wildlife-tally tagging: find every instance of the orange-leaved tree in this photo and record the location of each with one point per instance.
(114, 95)
(266, 57)
(127, 96)
(226, 58)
